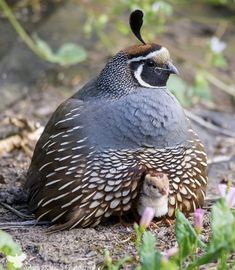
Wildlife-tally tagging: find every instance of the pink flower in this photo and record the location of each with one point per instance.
(147, 217)
(198, 220)
(228, 193)
(170, 252)
(222, 189)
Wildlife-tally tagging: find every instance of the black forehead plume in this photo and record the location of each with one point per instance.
(136, 21)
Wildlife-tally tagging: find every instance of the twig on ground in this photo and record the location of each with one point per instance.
(219, 159)
(16, 212)
(208, 125)
(229, 89)
(11, 225)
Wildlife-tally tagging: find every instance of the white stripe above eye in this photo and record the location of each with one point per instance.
(163, 50)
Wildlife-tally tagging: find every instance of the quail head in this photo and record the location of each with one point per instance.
(99, 144)
(154, 194)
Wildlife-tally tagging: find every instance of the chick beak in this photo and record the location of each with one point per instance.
(164, 192)
(172, 69)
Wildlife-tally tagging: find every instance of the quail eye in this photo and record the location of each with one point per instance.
(150, 63)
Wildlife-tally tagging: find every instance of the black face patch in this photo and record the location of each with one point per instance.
(154, 74)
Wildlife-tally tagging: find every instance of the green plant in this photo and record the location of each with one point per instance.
(215, 52)
(67, 54)
(227, 3)
(198, 91)
(156, 15)
(191, 252)
(11, 251)
(108, 262)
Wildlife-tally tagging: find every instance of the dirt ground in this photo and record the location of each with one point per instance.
(84, 248)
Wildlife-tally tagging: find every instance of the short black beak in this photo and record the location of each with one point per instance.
(172, 69)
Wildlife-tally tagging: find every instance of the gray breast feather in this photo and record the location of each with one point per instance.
(147, 117)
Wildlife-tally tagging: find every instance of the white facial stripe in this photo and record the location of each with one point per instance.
(163, 50)
(137, 75)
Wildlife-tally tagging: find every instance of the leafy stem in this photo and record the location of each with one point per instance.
(67, 54)
(20, 30)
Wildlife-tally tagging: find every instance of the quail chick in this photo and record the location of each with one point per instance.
(154, 194)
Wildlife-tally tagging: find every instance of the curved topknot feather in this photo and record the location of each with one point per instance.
(136, 21)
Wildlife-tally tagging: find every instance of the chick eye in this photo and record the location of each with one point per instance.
(150, 63)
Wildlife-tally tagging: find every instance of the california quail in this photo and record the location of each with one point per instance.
(154, 193)
(99, 144)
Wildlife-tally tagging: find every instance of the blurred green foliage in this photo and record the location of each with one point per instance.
(199, 90)
(220, 2)
(67, 54)
(101, 16)
(156, 14)
(11, 251)
(189, 94)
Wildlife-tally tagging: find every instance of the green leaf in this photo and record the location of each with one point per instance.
(165, 8)
(186, 236)
(8, 246)
(206, 258)
(139, 230)
(70, 54)
(223, 225)
(44, 48)
(16, 262)
(201, 87)
(180, 89)
(67, 54)
(122, 28)
(218, 60)
(222, 242)
(110, 265)
(149, 257)
(168, 265)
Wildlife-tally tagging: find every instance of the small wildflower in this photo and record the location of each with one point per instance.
(155, 7)
(170, 252)
(17, 260)
(147, 217)
(230, 197)
(228, 194)
(222, 189)
(198, 220)
(217, 46)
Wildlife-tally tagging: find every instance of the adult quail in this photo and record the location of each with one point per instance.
(154, 193)
(99, 144)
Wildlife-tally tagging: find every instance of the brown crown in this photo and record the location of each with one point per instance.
(141, 49)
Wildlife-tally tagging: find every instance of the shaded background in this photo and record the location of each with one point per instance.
(199, 35)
